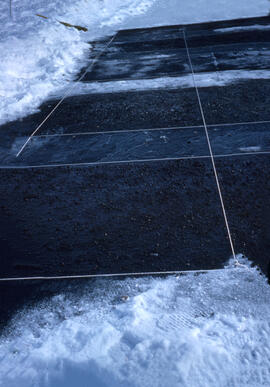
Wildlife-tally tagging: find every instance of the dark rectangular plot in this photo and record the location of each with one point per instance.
(136, 59)
(230, 37)
(245, 185)
(242, 22)
(113, 147)
(242, 138)
(239, 100)
(152, 64)
(144, 40)
(242, 101)
(110, 112)
(149, 34)
(145, 217)
(228, 49)
(255, 56)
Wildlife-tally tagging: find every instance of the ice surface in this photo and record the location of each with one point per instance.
(194, 330)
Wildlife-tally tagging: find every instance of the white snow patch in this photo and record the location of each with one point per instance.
(194, 330)
(218, 78)
(251, 149)
(244, 28)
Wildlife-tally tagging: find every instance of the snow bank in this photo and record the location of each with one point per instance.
(195, 330)
(38, 56)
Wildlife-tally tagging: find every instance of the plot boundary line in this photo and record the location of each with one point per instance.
(210, 150)
(119, 131)
(135, 274)
(67, 93)
(97, 163)
(150, 129)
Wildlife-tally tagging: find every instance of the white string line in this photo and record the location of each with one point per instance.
(210, 150)
(89, 276)
(66, 94)
(149, 130)
(118, 131)
(97, 163)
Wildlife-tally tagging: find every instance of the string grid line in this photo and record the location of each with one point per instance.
(210, 150)
(96, 276)
(149, 130)
(131, 161)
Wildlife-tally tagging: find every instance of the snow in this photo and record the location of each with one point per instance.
(254, 148)
(40, 57)
(217, 78)
(168, 12)
(244, 28)
(194, 330)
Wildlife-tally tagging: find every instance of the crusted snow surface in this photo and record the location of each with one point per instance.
(194, 330)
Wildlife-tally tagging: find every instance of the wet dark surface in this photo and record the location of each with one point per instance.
(112, 147)
(138, 217)
(138, 145)
(117, 147)
(240, 138)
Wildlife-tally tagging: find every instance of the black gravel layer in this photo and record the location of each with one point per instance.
(245, 101)
(111, 219)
